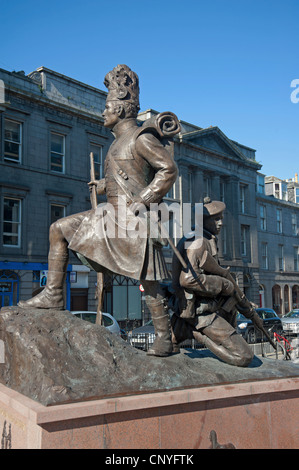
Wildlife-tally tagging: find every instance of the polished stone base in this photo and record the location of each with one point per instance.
(248, 415)
(65, 383)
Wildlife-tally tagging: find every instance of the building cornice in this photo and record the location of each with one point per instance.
(29, 89)
(68, 79)
(239, 158)
(275, 201)
(217, 153)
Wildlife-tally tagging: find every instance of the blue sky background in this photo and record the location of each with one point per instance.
(226, 63)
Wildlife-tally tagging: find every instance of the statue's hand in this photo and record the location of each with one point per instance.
(99, 184)
(137, 206)
(92, 183)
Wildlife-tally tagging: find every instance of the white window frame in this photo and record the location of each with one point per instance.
(242, 198)
(279, 220)
(296, 258)
(100, 163)
(170, 193)
(243, 240)
(18, 222)
(8, 159)
(57, 153)
(264, 253)
(52, 204)
(281, 257)
(294, 224)
(277, 190)
(284, 191)
(263, 217)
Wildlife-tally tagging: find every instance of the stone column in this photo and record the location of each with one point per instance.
(198, 186)
(184, 183)
(215, 187)
(290, 298)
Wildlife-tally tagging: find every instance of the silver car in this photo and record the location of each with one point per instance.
(108, 320)
(143, 336)
(290, 322)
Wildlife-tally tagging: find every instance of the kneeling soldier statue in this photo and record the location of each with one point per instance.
(206, 300)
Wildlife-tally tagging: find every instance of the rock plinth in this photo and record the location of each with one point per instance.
(54, 357)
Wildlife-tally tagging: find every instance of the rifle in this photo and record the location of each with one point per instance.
(100, 276)
(209, 264)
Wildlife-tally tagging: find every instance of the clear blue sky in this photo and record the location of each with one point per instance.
(226, 63)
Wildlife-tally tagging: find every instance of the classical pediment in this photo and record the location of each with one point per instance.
(213, 139)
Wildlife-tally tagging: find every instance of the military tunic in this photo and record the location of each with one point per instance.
(194, 280)
(137, 165)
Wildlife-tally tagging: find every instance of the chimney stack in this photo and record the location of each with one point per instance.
(296, 177)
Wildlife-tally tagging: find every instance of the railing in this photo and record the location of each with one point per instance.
(145, 340)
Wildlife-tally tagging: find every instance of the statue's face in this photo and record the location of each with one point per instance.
(111, 114)
(214, 224)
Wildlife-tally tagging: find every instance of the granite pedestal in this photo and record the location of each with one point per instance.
(68, 384)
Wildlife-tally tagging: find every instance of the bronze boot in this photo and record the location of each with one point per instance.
(52, 295)
(234, 350)
(162, 345)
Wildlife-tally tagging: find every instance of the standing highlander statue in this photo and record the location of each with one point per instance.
(139, 170)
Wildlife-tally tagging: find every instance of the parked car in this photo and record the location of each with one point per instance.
(290, 322)
(271, 322)
(108, 320)
(143, 336)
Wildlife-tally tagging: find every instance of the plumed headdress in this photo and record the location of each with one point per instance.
(123, 85)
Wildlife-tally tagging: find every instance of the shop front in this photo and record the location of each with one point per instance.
(124, 300)
(20, 280)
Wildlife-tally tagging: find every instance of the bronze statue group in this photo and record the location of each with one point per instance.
(139, 171)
